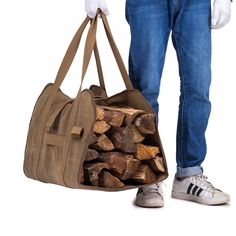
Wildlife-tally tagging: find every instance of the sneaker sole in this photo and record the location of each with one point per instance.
(149, 205)
(204, 201)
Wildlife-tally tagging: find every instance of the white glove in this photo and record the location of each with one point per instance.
(91, 7)
(221, 12)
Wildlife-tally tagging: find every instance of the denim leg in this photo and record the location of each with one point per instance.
(191, 37)
(149, 26)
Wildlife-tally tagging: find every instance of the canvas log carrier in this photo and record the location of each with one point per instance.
(94, 141)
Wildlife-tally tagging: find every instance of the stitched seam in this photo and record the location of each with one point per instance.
(179, 55)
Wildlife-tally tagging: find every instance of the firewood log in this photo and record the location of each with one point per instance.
(93, 138)
(99, 113)
(117, 161)
(100, 127)
(145, 123)
(122, 138)
(156, 164)
(114, 118)
(130, 113)
(145, 152)
(138, 137)
(132, 167)
(92, 170)
(109, 181)
(91, 155)
(123, 165)
(144, 175)
(103, 143)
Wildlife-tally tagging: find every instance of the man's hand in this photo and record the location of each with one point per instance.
(91, 7)
(221, 12)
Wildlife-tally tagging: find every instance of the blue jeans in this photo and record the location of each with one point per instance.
(151, 22)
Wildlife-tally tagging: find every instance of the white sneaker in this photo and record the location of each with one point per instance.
(198, 189)
(150, 196)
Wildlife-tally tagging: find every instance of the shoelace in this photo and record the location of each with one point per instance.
(153, 188)
(201, 180)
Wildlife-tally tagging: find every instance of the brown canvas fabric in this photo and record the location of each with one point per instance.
(60, 127)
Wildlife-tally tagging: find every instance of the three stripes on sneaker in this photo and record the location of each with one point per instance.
(194, 190)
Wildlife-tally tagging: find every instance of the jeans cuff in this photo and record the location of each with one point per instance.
(189, 171)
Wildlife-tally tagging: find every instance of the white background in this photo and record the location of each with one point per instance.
(33, 38)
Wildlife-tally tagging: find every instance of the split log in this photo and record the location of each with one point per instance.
(130, 113)
(103, 143)
(145, 152)
(122, 138)
(91, 155)
(138, 137)
(100, 127)
(99, 113)
(132, 167)
(156, 164)
(144, 175)
(93, 139)
(123, 165)
(91, 172)
(115, 160)
(109, 181)
(114, 118)
(146, 123)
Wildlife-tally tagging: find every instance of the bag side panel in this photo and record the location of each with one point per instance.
(50, 163)
(30, 159)
(86, 116)
(38, 129)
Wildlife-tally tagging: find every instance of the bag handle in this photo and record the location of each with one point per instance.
(116, 53)
(99, 69)
(88, 50)
(91, 45)
(70, 54)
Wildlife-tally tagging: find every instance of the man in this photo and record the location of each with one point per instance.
(190, 22)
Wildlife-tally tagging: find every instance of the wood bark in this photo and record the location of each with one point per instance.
(91, 172)
(156, 164)
(145, 123)
(114, 118)
(91, 155)
(138, 137)
(132, 166)
(103, 143)
(115, 160)
(130, 113)
(93, 139)
(123, 165)
(144, 175)
(107, 180)
(122, 138)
